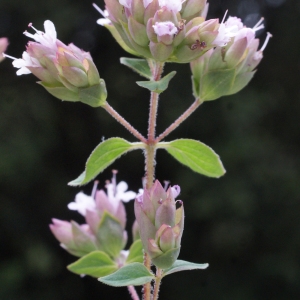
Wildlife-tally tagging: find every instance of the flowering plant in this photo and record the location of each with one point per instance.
(223, 57)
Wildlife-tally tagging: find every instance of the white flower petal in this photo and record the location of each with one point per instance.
(50, 29)
(122, 187)
(130, 195)
(103, 21)
(23, 71)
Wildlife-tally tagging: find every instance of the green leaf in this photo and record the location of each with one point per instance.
(216, 83)
(195, 155)
(181, 265)
(157, 86)
(136, 253)
(139, 65)
(96, 264)
(104, 155)
(132, 274)
(110, 235)
(95, 95)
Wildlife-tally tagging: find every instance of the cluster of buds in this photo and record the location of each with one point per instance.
(227, 69)
(163, 30)
(105, 222)
(66, 72)
(3, 46)
(160, 223)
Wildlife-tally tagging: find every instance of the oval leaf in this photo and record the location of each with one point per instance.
(139, 65)
(96, 264)
(216, 83)
(181, 265)
(197, 156)
(103, 155)
(110, 235)
(157, 86)
(132, 274)
(136, 253)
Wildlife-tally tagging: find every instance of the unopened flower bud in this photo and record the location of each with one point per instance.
(160, 223)
(227, 69)
(76, 239)
(3, 45)
(66, 72)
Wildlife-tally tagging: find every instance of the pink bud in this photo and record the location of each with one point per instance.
(62, 230)
(3, 45)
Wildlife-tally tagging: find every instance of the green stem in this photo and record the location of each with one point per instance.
(121, 120)
(182, 118)
(157, 283)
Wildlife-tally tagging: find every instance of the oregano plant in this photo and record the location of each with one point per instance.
(223, 57)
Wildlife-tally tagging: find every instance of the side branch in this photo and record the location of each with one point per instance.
(121, 120)
(182, 118)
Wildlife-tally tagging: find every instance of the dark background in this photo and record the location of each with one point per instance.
(246, 224)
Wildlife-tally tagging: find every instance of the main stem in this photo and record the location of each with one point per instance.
(150, 152)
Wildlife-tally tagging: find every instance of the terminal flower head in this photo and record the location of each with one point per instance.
(163, 30)
(66, 72)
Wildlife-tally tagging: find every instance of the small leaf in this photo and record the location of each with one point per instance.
(197, 156)
(103, 155)
(157, 86)
(132, 274)
(110, 235)
(136, 253)
(216, 83)
(96, 264)
(181, 265)
(139, 65)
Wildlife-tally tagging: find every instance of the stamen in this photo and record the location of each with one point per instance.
(37, 31)
(259, 23)
(96, 182)
(99, 10)
(11, 57)
(166, 182)
(269, 35)
(224, 16)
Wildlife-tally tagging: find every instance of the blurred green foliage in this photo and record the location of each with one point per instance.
(246, 224)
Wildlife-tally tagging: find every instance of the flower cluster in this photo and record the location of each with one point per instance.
(227, 69)
(164, 30)
(66, 72)
(105, 222)
(160, 223)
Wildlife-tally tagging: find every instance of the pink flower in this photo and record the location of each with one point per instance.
(163, 28)
(173, 5)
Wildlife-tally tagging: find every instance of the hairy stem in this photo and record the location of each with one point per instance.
(133, 293)
(182, 118)
(121, 120)
(157, 283)
(150, 151)
(156, 69)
